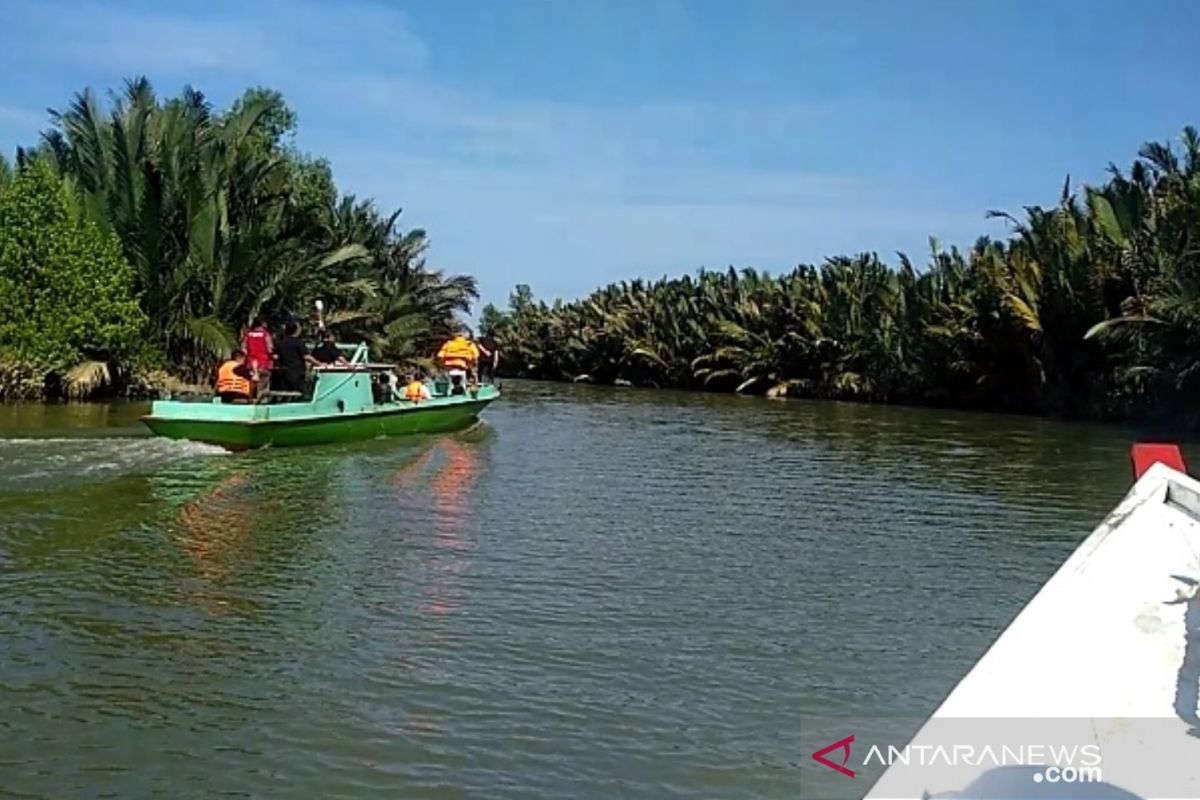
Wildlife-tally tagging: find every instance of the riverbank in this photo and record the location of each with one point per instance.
(1153, 424)
(1083, 311)
(22, 381)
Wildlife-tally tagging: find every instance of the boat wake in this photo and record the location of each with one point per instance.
(33, 461)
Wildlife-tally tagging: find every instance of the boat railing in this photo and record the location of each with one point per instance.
(360, 355)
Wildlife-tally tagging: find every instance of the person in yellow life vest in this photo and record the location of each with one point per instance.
(458, 356)
(233, 379)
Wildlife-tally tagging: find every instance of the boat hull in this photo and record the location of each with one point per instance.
(394, 420)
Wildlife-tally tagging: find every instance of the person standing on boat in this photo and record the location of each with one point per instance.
(259, 347)
(292, 357)
(233, 379)
(458, 356)
(489, 357)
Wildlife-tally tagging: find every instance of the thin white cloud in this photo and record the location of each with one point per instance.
(267, 37)
(513, 188)
(634, 186)
(566, 233)
(363, 61)
(531, 130)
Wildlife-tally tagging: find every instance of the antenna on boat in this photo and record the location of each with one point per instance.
(320, 319)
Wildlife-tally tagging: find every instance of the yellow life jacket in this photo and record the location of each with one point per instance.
(458, 353)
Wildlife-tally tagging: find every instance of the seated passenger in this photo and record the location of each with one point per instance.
(415, 390)
(233, 379)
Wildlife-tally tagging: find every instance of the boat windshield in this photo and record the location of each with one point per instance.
(359, 357)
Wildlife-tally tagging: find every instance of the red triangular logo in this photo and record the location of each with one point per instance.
(843, 745)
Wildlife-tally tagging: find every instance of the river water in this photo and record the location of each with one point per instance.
(597, 593)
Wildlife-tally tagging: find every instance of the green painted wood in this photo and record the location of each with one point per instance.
(341, 409)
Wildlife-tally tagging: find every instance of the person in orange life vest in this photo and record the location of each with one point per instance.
(233, 379)
(415, 389)
(458, 356)
(260, 352)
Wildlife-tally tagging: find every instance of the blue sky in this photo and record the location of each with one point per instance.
(570, 144)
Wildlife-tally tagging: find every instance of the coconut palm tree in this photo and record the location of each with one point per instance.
(1091, 306)
(222, 223)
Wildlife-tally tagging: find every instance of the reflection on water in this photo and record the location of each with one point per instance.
(453, 488)
(598, 593)
(214, 529)
(441, 480)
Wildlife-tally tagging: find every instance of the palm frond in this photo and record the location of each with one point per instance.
(211, 335)
(1111, 327)
(86, 379)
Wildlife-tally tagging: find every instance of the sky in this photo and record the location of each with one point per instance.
(567, 145)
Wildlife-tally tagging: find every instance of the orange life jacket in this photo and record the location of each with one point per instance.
(229, 381)
(458, 353)
(414, 391)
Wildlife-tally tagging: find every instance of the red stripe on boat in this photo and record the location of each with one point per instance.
(1146, 455)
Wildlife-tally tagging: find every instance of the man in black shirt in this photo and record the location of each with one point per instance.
(291, 356)
(489, 356)
(327, 352)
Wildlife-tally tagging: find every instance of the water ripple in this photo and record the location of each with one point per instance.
(597, 594)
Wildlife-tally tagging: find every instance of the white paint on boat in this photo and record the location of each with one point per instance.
(1106, 653)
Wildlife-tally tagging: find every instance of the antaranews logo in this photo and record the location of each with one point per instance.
(844, 746)
(994, 757)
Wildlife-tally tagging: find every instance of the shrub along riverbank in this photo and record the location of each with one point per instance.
(1090, 309)
(137, 240)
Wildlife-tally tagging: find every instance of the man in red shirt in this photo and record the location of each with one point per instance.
(260, 353)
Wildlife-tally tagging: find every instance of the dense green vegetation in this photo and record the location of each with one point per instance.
(1091, 308)
(66, 292)
(217, 219)
(146, 234)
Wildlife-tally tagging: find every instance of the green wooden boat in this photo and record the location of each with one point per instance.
(341, 407)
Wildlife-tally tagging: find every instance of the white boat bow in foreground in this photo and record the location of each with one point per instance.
(1105, 659)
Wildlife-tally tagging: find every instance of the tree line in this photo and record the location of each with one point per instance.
(138, 237)
(1090, 308)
